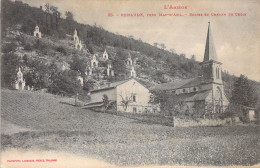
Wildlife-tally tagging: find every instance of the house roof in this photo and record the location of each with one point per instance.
(177, 84)
(109, 86)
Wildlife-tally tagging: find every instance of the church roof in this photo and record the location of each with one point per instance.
(193, 96)
(210, 51)
(177, 84)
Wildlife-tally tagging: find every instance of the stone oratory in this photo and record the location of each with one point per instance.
(20, 82)
(78, 43)
(105, 55)
(37, 32)
(94, 62)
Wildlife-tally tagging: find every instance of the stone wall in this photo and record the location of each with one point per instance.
(178, 122)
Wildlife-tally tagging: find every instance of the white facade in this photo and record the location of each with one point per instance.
(132, 91)
(137, 93)
(78, 44)
(94, 62)
(20, 82)
(37, 32)
(132, 72)
(105, 55)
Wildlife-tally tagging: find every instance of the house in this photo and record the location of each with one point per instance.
(126, 96)
(207, 90)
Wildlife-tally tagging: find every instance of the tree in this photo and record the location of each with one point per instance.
(170, 104)
(47, 13)
(193, 57)
(65, 83)
(69, 15)
(125, 101)
(155, 44)
(243, 92)
(163, 46)
(105, 102)
(172, 51)
(56, 14)
(10, 63)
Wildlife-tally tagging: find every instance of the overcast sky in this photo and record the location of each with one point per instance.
(236, 38)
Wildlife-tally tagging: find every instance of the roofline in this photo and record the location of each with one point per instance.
(111, 87)
(102, 89)
(210, 61)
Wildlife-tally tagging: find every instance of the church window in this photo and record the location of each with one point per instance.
(134, 98)
(194, 89)
(134, 109)
(217, 72)
(183, 90)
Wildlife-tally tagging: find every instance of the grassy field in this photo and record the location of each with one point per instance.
(38, 121)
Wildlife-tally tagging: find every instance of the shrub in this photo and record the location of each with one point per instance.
(8, 47)
(28, 47)
(61, 50)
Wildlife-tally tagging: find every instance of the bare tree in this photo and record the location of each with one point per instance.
(125, 101)
(162, 46)
(172, 51)
(155, 44)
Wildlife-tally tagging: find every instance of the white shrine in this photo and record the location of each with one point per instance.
(63, 68)
(105, 55)
(129, 61)
(80, 79)
(37, 32)
(94, 61)
(78, 44)
(20, 82)
(88, 71)
(109, 70)
(133, 72)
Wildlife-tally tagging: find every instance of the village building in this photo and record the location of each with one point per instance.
(206, 91)
(126, 96)
(37, 32)
(19, 82)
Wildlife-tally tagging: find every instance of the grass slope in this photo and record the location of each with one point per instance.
(51, 125)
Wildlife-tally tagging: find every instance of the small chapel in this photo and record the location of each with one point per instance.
(37, 32)
(19, 82)
(78, 43)
(206, 90)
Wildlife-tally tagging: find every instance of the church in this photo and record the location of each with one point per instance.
(206, 90)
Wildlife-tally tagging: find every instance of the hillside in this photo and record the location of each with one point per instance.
(42, 59)
(153, 65)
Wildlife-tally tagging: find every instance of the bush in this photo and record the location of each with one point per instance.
(61, 50)
(8, 47)
(28, 47)
(39, 45)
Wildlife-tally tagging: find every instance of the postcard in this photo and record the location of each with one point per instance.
(128, 83)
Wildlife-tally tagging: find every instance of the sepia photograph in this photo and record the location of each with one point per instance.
(130, 83)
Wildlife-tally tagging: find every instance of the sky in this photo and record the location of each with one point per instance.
(236, 38)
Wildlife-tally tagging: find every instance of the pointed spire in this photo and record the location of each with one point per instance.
(210, 51)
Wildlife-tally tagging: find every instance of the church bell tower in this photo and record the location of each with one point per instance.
(211, 67)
